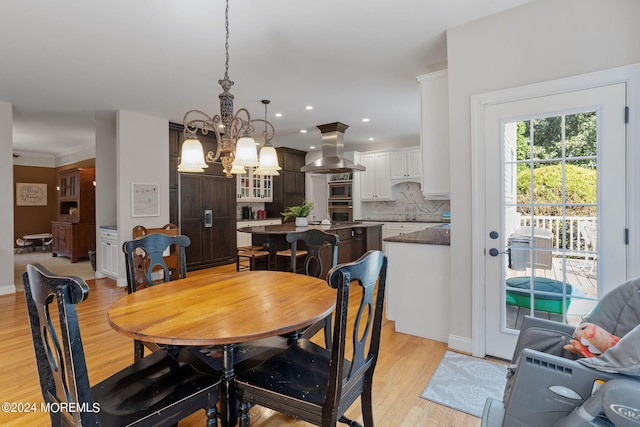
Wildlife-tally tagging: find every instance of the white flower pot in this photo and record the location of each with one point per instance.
(301, 221)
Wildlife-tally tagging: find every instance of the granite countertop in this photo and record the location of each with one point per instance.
(440, 235)
(288, 227)
(259, 219)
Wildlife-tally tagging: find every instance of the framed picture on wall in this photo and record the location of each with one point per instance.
(31, 194)
(145, 199)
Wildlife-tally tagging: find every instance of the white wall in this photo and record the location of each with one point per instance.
(142, 156)
(6, 189)
(539, 41)
(106, 181)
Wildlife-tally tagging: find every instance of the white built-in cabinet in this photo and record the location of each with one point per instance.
(434, 134)
(109, 253)
(254, 188)
(406, 165)
(375, 181)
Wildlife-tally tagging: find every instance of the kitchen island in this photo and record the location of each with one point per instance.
(418, 276)
(356, 238)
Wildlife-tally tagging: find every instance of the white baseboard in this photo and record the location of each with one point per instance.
(7, 289)
(462, 344)
(121, 282)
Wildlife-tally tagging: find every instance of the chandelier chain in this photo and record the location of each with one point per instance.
(226, 43)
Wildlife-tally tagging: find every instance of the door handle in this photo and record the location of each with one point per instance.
(496, 252)
(208, 218)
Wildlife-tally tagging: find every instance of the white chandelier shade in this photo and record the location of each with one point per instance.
(192, 159)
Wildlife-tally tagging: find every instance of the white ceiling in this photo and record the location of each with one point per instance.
(65, 62)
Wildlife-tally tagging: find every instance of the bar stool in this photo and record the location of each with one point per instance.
(286, 253)
(252, 253)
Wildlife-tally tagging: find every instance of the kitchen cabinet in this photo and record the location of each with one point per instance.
(289, 186)
(366, 239)
(254, 188)
(208, 218)
(406, 165)
(434, 134)
(390, 229)
(109, 253)
(345, 245)
(203, 205)
(375, 181)
(418, 289)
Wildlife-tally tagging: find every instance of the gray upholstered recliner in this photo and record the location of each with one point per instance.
(548, 386)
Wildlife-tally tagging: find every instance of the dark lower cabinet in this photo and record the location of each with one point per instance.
(345, 246)
(207, 212)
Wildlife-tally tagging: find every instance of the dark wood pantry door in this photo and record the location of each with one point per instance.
(212, 242)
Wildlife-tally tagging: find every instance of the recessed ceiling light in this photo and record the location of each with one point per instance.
(313, 147)
(366, 119)
(278, 114)
(370, 139)
(309, 107)
(303, 131)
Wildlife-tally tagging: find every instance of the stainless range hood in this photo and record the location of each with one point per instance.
(332, 160)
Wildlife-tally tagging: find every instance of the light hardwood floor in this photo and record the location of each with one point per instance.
(405, 365)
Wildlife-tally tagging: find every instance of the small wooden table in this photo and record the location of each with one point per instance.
(39, 236)
(223, 309)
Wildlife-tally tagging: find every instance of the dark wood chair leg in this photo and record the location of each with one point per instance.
(367, 403)
(245, 417)
(212, 416)
(138, 350)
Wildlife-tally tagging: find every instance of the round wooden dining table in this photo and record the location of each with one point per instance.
(223, 309)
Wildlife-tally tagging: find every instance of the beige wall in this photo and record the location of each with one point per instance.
(539, 41)
(37, 219)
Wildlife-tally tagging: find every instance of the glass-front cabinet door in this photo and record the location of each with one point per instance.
(254, 188)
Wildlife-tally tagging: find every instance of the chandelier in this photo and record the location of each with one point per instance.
(236, 148)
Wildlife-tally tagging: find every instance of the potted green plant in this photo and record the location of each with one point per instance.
(300, 213)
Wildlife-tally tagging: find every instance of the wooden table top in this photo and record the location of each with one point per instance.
(38, 236)
(223, 308)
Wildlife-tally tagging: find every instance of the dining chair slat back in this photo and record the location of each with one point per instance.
(157, 390)
(318, 245)
(144, 258)
(316, 384)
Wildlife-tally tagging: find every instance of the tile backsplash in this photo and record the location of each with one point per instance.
(408, 204)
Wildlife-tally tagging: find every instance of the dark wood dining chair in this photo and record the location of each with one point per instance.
(157, 390)
(318, 385)
(321, 255)
(146, 265)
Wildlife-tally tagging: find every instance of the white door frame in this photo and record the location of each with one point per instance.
(628, 74)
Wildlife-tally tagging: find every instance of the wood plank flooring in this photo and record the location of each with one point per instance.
(404, 368)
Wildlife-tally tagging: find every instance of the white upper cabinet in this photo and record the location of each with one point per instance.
(406, 165)
(375, 181)
(254, 188)
(434, 134)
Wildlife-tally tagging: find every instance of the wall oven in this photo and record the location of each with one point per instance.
(340, 210)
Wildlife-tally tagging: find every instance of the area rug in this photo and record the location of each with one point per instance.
(464, 383)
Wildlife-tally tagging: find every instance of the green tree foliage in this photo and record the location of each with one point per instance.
(547, 149)
(580, 138)
(580, 188)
